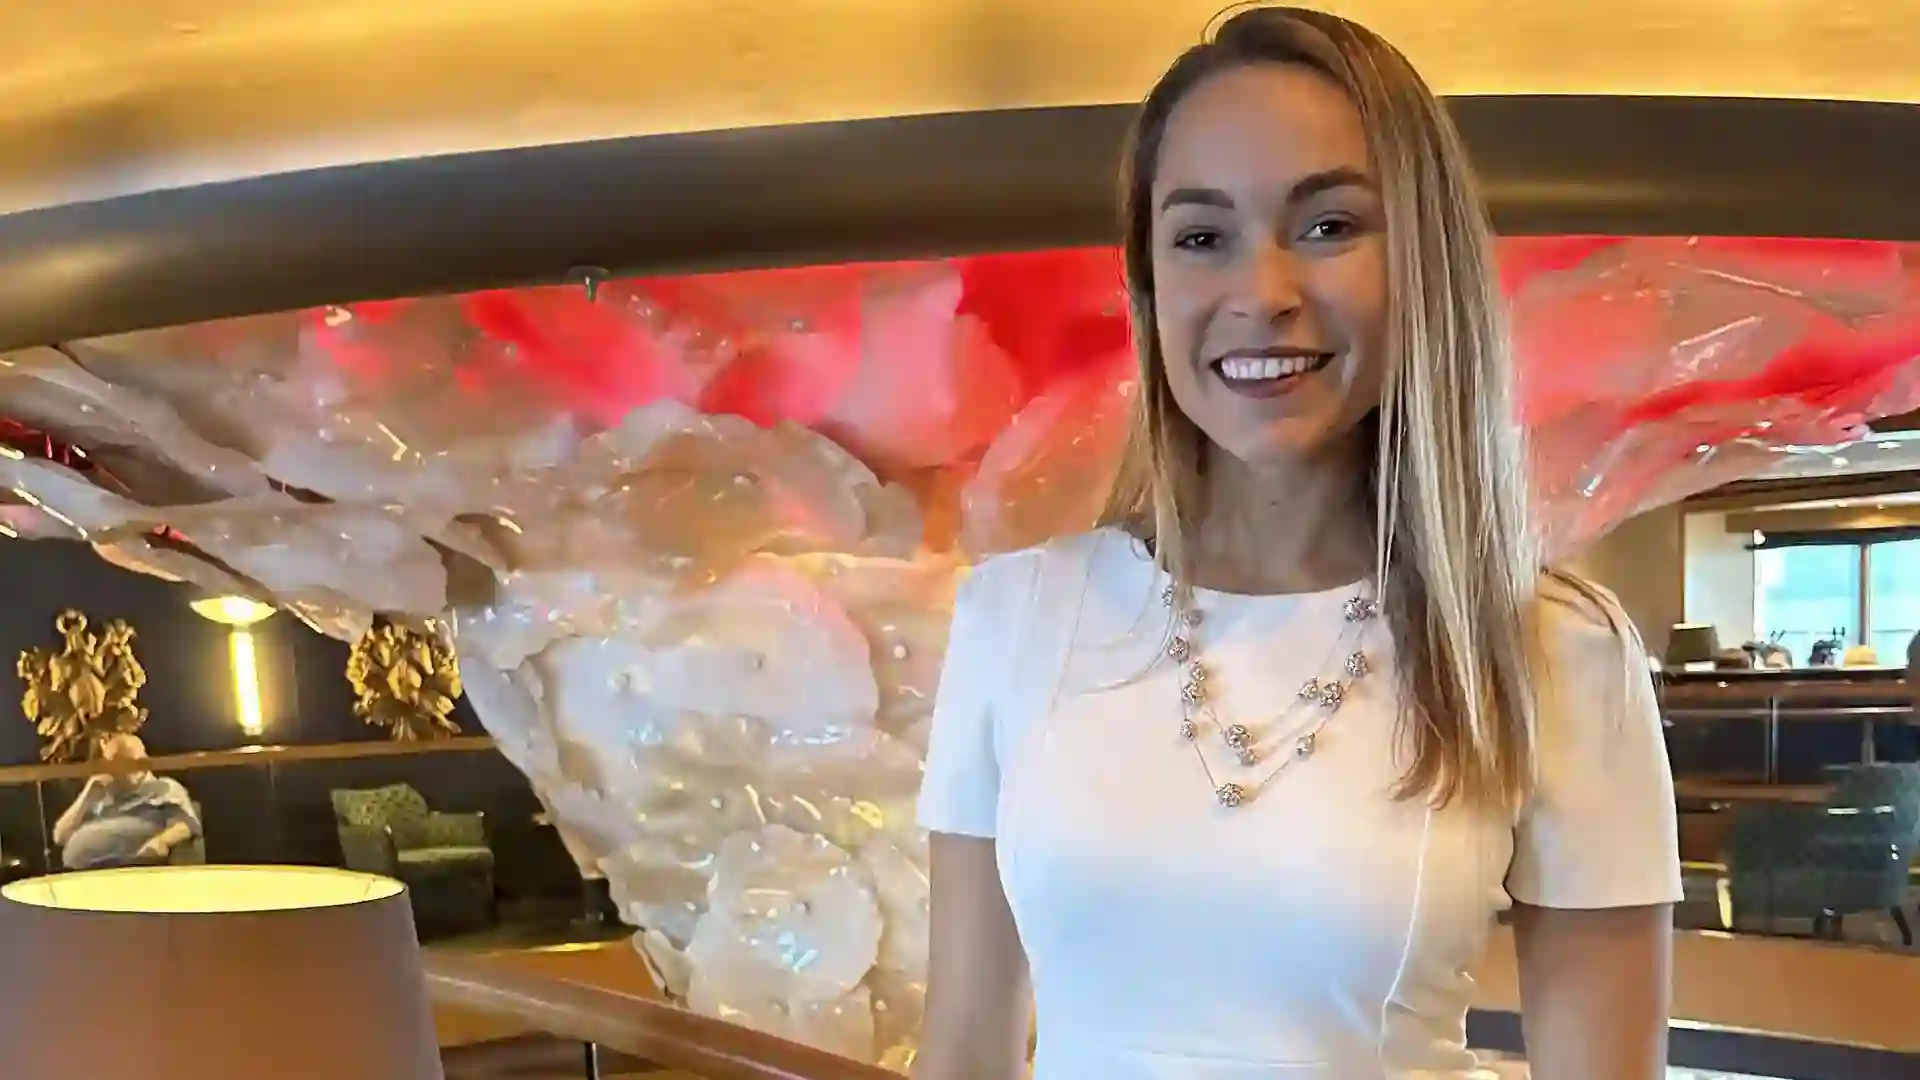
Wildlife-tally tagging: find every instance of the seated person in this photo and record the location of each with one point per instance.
(132, 819)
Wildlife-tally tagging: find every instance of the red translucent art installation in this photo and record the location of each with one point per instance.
(698, 536)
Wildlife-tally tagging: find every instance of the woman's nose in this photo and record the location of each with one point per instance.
(1270, 287)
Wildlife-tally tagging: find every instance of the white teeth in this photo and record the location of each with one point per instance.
(1249, 369)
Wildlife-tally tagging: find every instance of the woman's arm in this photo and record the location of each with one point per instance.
(1595, 989)
(1596, 863)
(978, 997)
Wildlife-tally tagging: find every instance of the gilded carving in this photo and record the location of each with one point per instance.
(83, 690)
(405, 681)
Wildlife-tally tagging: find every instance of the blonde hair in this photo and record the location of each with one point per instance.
(1456, 565)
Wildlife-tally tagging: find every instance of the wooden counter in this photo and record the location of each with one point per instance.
(1710, 791)
(1865, 699)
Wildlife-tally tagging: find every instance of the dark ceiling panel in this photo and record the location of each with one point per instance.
(920, 186)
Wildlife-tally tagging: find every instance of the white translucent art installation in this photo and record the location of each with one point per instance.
(699, 537)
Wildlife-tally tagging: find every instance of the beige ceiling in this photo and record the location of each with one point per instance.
(102, 97)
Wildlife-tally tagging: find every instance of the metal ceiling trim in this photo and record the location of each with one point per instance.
(908, 187)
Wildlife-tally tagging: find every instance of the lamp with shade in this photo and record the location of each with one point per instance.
(213, 973)
(1692, 647)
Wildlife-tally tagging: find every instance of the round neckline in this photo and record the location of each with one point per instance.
(1225, 596)
(1229, 598)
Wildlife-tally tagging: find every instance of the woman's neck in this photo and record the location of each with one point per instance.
(1304, 525)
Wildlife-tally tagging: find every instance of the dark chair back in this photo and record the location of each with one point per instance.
(1851, 855)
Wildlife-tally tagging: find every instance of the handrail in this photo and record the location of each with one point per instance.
(1743, 1038)
(647, 1028)
(244, 755)
(1835, 714)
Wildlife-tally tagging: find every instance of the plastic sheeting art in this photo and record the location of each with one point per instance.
(699, 536)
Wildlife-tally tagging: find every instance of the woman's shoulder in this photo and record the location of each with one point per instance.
(1011, 576)
(1080, 545)
(1578, 614)
(1592, 653)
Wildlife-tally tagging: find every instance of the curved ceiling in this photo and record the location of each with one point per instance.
(108, 97)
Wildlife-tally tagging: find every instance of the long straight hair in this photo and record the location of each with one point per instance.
(1455, 561)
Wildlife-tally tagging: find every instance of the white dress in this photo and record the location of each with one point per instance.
(1323, 930)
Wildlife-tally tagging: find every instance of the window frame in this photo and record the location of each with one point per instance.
(1860, 629)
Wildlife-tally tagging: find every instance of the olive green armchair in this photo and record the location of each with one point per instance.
(445, 860)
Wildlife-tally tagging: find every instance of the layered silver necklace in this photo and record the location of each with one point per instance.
(1286, 739)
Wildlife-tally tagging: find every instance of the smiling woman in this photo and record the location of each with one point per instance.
(1323, 584)
(717, 520)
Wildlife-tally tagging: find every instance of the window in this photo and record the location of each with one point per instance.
(1893, 598)
(1860, 593)
(1806, 594)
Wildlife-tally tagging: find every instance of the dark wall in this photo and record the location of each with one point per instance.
(251, 813)
(189, 692)
(1643, 562)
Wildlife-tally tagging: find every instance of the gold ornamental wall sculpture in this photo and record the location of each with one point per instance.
(405, 681)
(84, 689)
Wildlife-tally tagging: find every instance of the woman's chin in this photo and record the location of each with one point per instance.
(1290, 444)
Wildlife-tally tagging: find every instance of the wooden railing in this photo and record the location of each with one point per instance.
(1839, 1011)
(642, 1026)
(242, 756)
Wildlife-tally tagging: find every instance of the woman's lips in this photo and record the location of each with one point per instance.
(1268, 375)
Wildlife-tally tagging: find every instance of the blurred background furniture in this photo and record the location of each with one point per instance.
(1784, 726)
(1822, 863)
(12, 867)
(1690, 644)
(444, 859)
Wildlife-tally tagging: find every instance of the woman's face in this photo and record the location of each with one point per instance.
(1269, 263)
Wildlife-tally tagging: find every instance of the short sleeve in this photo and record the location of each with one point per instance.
(960, 791)
(1600, 829)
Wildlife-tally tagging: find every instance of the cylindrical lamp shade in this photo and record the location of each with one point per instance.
(1691, 643)
(212, 973)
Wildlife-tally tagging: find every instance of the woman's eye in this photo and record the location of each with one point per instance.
(1198, 240)
(1332, 229)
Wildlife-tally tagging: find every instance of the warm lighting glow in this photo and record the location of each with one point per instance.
(246, 682)
(202, 889)
(240, 613)
(268, 85)
(256, 85)
(235, 611)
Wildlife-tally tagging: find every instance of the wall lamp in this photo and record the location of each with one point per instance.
(238, 614)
